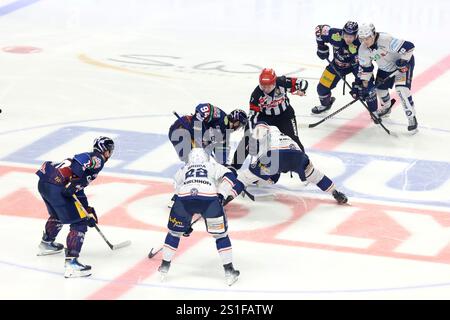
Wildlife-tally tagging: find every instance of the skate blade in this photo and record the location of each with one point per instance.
(48, 253)
(77, 275)
(230, 281)
(162, 276)
(323, 113)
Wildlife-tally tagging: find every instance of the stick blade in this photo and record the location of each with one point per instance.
(152, 253)
(121, 245)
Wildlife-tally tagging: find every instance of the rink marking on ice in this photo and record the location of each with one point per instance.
(398, 238)
(84, 58)
(128, 283)
(65, 123)
(362, 120)
(401, 239)
(139, 272)
(16, 5)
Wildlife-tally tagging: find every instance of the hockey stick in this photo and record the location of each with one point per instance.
(252, 197)
(343, 86)
(152, 253)
(360, 99)
(110, 245)
(313, 125)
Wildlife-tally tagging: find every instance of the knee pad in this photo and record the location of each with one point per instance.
(176, 234)
(216, 226)
(79, 226)
(322, 90)
(384, 96)
(403, 90)
(405, 97)
(313, 175)
(220, 235)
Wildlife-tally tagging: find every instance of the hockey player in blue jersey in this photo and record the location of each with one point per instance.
(58, 182)
(391, 55)
(345, 45)
(201, 187)
(208, 127)
(277, 153)
(181, 135)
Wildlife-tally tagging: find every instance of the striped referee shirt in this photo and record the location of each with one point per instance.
(277, 101)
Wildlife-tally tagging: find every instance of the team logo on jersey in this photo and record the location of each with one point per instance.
(194, 192)
(175, 222)
(96, 162)
(336, 37)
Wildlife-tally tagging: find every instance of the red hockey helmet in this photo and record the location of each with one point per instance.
(267, 77)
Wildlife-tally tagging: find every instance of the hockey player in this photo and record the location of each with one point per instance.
(345, 45)
(58, 182)
(277, 153)
(391, 54)
(209, 127)
(269, 102)
(201, 187)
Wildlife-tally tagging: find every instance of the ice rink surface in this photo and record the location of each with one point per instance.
(71, 71)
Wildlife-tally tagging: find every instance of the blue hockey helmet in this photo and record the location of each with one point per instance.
(350, 28)
(238, 118)
(102, 144)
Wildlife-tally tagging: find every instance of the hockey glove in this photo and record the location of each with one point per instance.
(323, 52)
(301, 85)
(402, 65)
(356, 87)
(92, 217)
(68, 191)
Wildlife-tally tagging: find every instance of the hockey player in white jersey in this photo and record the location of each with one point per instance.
(277, 153)
(390, 54)
(201, 187)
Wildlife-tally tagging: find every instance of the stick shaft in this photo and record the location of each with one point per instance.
(359, 98)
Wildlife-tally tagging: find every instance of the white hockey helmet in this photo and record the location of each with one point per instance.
(261, 131)
(198, 156)
(366, 30)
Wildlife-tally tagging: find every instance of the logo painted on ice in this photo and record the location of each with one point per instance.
(296, 221)
(364, 176)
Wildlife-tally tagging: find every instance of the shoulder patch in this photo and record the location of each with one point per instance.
(336, 36)
(96, 162)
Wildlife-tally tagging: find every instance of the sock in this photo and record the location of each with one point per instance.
(170, 246)
(224, 248)
(52, 228)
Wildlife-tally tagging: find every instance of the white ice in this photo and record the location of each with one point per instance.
(120, 68)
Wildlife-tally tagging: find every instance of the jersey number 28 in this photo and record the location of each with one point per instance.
(198, 173)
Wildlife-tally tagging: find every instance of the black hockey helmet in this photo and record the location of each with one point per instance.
(350, 28)
(102, 144)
